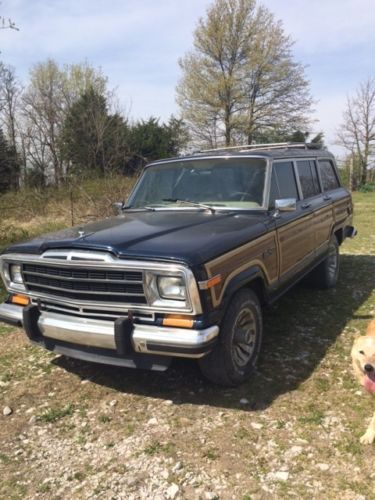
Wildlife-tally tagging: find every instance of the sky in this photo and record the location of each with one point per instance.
(137, 44)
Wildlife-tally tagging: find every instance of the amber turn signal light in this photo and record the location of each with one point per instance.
(21, 300)
(178, 320)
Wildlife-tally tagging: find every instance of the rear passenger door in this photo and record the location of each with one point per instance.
(294, 229)
(317, 203)
(332, 191)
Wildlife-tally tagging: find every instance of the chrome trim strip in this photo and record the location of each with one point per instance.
(83, 312)
(11, 312)
(88, 292)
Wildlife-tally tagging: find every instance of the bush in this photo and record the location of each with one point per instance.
(367, 188)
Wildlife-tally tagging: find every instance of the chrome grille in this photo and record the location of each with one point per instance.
(85, 284)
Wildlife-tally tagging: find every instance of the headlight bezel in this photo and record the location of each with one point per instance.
(8, 275)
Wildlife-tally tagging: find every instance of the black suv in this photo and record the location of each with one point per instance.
(203, 243)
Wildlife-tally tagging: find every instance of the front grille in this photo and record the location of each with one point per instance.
(85, 284)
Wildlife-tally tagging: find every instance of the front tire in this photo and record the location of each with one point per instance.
(233, 359)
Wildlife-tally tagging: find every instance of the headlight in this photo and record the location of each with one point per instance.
(172, 290)
(172, 287)
(15, 274)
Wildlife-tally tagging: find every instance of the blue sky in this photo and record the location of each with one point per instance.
(137, 44)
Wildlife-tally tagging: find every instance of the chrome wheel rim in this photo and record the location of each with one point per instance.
(244, 338)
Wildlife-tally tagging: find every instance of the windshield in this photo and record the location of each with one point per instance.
(229, 182)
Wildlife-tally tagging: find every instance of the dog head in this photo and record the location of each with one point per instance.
(363, 356)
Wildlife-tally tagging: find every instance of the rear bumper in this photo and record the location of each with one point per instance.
(120, 337)
(350, 232)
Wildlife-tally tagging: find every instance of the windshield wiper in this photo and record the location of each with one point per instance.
(138, 209)
(192, 203)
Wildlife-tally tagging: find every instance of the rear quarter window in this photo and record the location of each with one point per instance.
(308, 178)
(328, 175)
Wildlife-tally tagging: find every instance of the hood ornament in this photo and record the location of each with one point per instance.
(81, 233)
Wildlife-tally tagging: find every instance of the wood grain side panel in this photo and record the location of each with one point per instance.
(341, 210)
(296, 242)
(261, 252)
(323, 222)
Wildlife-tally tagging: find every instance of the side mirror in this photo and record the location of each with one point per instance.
(286, 205)
(117, 207)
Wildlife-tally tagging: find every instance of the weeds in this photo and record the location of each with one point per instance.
(53, 414)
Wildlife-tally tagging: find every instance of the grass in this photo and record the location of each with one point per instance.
(53, 414)
(303, 394)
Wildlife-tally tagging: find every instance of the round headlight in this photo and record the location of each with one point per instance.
(172, 287)
(15, 274)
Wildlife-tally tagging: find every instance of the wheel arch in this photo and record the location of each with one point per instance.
(251, 279)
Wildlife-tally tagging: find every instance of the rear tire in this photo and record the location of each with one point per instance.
(233, 358)
(325, 275)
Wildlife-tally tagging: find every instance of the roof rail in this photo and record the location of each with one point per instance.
(273, 145)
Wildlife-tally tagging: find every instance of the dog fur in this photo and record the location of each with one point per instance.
(363, 355)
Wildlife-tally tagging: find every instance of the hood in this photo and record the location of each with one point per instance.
(193, 237)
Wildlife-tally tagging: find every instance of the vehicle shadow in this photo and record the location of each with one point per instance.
(299, 330)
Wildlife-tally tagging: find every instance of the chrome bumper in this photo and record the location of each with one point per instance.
(11, 314)
(145, 339)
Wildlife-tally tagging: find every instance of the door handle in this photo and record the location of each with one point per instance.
(327, 197)
(306, 205)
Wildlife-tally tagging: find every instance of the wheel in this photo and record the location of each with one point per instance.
(233, 358)
(325, 275)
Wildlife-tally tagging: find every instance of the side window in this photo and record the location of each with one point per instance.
(328, 175)
(283, 182)
(308, 178)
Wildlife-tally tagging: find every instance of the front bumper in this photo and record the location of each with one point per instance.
(121, 337)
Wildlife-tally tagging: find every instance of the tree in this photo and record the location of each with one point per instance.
(150, 140)
(241, 80)
(7, 23)
(9, 166)
(357, 132)
(91, 139)
(47, 99)
(10, 95)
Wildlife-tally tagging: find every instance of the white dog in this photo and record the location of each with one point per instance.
(363, 356)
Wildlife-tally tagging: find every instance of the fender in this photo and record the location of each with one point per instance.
(245, 278)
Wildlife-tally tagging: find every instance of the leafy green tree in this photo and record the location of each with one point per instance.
(9, 166)
(150, 140)
(92, 140)
(240, 80)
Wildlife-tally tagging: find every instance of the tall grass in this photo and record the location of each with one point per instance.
(29, 212)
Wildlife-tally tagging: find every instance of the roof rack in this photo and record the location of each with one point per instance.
(274, 145)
